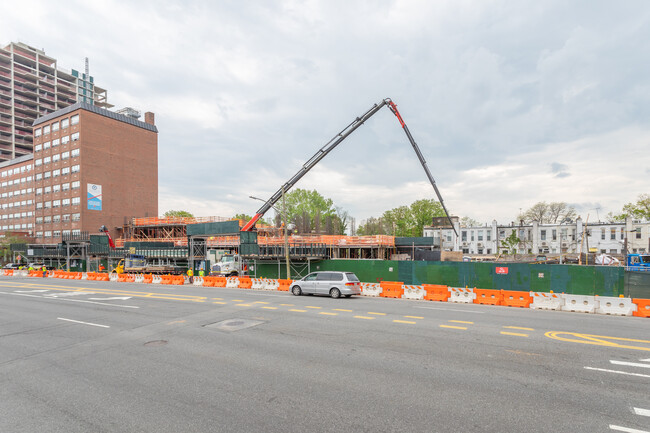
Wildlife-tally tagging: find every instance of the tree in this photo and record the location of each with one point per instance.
(244, 217)
(639, 210)
(309, 210)
(511, 242)
(548, 213)
(178, 213)
(422, 213)
(408, 221)
(372, 226)
(468, 222)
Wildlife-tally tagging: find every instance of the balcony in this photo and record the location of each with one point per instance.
(26, 108)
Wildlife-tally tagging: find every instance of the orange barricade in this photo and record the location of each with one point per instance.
(147, 278)
(516, 299)
(90, 276)
(78, 275)
(208, 281)
(490, 297)
(245, 282)
(219, 281)
(165, 279)
(178, 280)
(104, 277)
(33, 274)
(284, 285)
(391, 289)
(643, 307)
(435, 292)
(9, 272)
(121, 278)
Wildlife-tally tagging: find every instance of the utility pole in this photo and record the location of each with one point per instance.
(286, 234)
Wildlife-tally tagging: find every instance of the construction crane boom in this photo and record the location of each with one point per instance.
(335, 141)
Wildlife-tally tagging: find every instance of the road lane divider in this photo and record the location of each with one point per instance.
(454, 327)
(515, 334)
(405, 321)
(364, 317)
(519, 327)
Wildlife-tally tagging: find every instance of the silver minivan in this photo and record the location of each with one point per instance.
(332, 283)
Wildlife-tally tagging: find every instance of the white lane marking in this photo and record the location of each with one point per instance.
(64, 294)
(630, 364)
(30, 291)
(642, 412)
(83, 323)
(626, 429)
(618, 372)
(645, 360)
(69, 300)
(453, 309)
(123, 298)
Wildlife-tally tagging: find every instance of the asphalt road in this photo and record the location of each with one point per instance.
(85, 356)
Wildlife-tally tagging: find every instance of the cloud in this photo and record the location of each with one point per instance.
(495, 94)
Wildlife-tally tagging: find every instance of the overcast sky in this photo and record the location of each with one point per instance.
(511, 102)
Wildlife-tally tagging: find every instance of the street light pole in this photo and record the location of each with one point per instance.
(286, 235)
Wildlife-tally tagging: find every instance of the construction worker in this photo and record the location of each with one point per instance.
(31, 268)
(201, 273)
(190, 273)
(44, 271)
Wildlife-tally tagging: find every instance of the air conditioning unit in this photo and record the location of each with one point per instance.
(564, 244)
(480, 244)
(464, 244)
(544, 244)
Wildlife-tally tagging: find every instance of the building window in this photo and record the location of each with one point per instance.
(38, 176)
(47, 204)
(543, 235)
(75, 136)
(47, 175)
(39, 234)
(75, 168)
(56, 218)
(554, 234)
(47, 160)
(471, 233)
(56, 173)
(46, 145)
(56, 142)
(502, 234)
(74, 119)
(76, 216)
(55, 126)
(38, 148)
(47, 234)
(56, 188)
(66, 232)
(38, 162)
(65, 140)
(65, 123)
(65, 202)
(602, 235)
(76, 200)
(65, 186)
(612, 234)
(56, 157)
(65, 217)
(56, 203)
(66, 155)
(638, 233)
(463, 236)
(39, 220)
(37, 132)
(480, 236)
(46, 129)
(65, 170)
(47, 189)
(76, 184)
(56, 233)
(39, 205)
(75, 152)
(489, 237)
(622, 233)
(47, 220)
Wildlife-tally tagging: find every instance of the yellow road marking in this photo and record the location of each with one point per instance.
(238, 300)
(518, 327)
(222, 303)
(377, 314)
(260, 302)
(243, 305)
(271, 308)
(414, 317)
(298, 311)
(453, 327)
(341, 309)
(287, 305)
(461, 321)
(404, 321)
(328, 314)
(364, 317)
(176, 321)
(514, 333)
(309, 306)
(132, 293)
(218, 299)
(598, 340)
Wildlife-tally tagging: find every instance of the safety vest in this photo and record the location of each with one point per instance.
(190, 272)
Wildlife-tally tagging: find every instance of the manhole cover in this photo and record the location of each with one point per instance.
(234, 324)
(156, 343)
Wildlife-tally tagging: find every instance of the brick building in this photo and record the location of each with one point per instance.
(32, 85)
(90, 167)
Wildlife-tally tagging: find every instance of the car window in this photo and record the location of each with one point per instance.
(311, 277)
(351, 276)
(324, 276)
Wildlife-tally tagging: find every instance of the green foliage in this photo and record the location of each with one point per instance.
(511, 242)
(310, 211)
(244, 217)
(639, 210)
(404, 220)
(178, 213)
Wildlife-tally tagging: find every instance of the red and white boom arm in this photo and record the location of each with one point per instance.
(330, 145)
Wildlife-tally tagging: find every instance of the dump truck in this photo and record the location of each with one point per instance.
(637, 262)
(230, 265)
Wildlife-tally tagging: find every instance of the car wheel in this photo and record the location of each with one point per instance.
(296, 291)
(335, 293)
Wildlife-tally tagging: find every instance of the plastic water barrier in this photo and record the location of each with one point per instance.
(616, 306)
(580, 303)
(113, 277)
(270, 284)
(198, 281)
(258, 284)
(371, 289)
(413, 292)
(461, 295)
(139, 278)
(156, 279)
(546, 301)
(232, 282)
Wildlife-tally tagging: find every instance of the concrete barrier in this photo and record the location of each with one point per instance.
(580, 303)
(615, 306)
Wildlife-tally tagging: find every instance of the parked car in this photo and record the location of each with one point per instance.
(332, 283)
(12, 266)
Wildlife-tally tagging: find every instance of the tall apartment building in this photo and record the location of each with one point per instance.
(33, 85)
(17, 195)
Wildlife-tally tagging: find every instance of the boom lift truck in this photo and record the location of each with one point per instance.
(335, 141)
